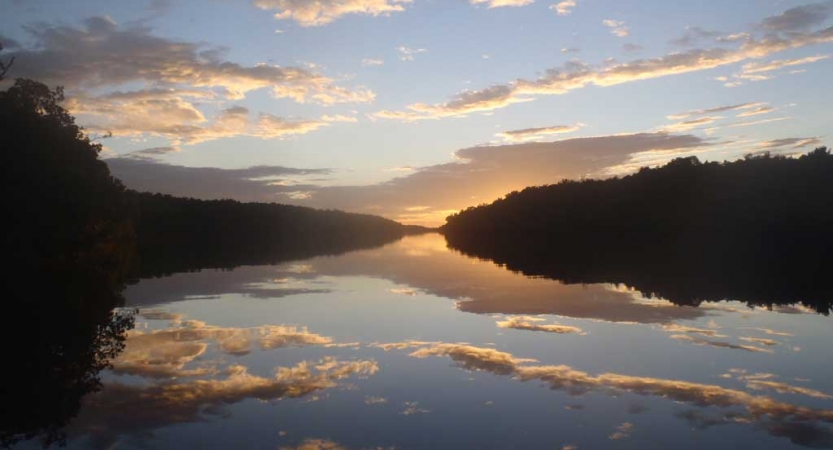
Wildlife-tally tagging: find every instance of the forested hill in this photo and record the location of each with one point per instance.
(758, 229)
(763, 195)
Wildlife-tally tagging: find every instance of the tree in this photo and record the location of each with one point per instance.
(67, 205)
(68, 236)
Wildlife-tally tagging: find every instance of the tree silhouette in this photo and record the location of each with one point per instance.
(757, 229)
(69, 238)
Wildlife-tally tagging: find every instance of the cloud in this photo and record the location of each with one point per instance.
(575, 75)
(793, 143)
(122, 409)
(757, 111)
(167, 114)
(764, 381)
(700, 112)
(734, 37)
(784, 388)
(258, 183)
(321, 12)
(400, 345)
(409, 54)
(529, 134)
(339, 118)
(165, 353)
(761, 71)
(623, 431)
(691, 124)
(570, 50)
(404, 291)
(103, 54)
(780, 418)
(501, 3)
(676, 328)
(474, 358)
(770, 332)
(152, 314)
(464, 103)
(693, 35)
(754, 68)
(720, 344)
(757, 340)
(756, 122)
(617, 27)
(564, 8)
(370, 400)
(413, 408)
(528, 323)
(632, 48)
(372, 62)
(151, 153)
(401, 169)
(799, 18)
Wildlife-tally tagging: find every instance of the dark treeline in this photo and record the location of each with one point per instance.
(758, 230)
(74, 237)
(179, 234)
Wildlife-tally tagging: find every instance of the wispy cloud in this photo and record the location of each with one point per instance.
(617, 27)
(691, 124)
(757, 111)
(531, 134)
(564, 8)
(321, 12)
(792, 143)
(339, 118)
(717, 109)
(372, 62)
(501, 3)
(531, 324)
(780, 64)
(409, 54)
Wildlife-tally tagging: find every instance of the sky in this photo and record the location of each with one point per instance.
(415, 109)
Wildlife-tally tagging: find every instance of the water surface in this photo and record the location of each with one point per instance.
(415, 346)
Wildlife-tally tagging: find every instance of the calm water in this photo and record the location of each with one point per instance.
(414, 346)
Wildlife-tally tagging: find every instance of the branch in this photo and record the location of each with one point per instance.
(4, 67)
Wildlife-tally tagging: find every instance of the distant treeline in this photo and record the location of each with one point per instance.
(758, 229)
(180, 234)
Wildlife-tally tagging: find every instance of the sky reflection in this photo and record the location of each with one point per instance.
(381, 349)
